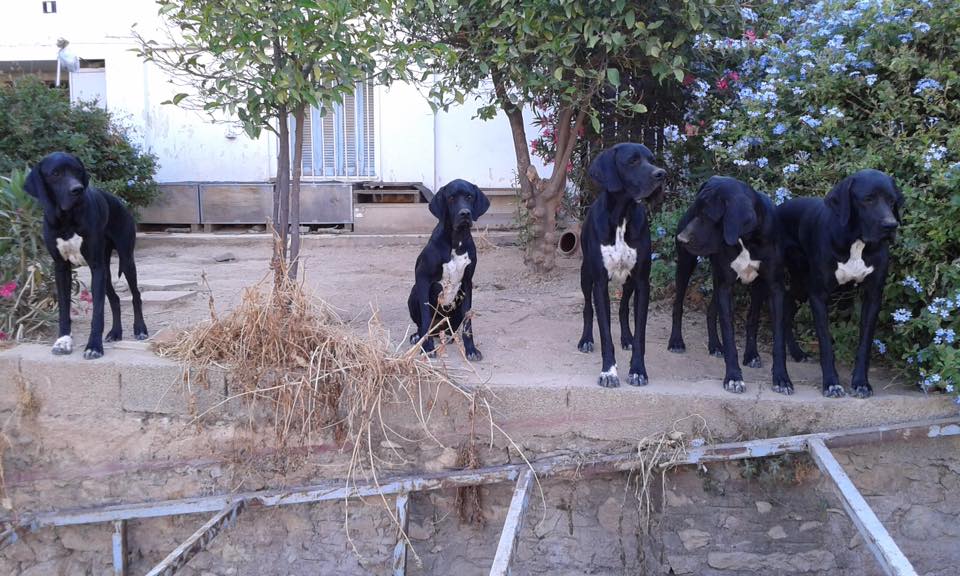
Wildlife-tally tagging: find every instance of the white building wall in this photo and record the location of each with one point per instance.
(413, 143)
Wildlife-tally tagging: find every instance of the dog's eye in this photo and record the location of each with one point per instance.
(469, 196)
(870, 199)
(55, 173)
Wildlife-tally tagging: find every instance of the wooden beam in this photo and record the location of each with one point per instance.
(198, 541)
(400, 549)
(120, 548)
(512, 526)
(888, 554)
(559, 466)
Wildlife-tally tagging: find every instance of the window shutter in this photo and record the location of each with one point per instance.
(368, 134)
(329, 144)
(350, 133)
(307, 163)
(341, 142)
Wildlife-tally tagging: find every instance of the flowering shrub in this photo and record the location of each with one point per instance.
(807, 93)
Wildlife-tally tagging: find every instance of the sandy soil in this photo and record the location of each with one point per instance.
(526, 326)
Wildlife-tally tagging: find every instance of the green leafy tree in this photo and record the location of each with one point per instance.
(264, 62)
(565, 55)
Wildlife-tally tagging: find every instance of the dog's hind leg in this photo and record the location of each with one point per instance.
(638, 369)
(586, 285)
(790, 302)
(714, 345)
(758, 294)
(98, 276)
(129, 270)
(116, 329)
(601, 302)
(686, 264)
(626, 336)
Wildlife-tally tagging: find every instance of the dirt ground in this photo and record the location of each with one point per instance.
(527, 326)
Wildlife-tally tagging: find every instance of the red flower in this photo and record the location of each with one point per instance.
(722, 84)
(3, 335)
(688, 79)
(85, 296)
(750, 35)
(733, 75)
(8, 289)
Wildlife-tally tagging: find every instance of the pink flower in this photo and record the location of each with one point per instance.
(735, 76)
(722, 84)
(8, 289)
(750, 35)
(3, 336)
(85, 296)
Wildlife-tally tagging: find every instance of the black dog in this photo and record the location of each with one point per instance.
(616, 249)
(442, 294)
(841, 240)
(85, 225)
(735, 227)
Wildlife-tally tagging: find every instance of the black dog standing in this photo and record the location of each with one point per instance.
(442, 294)
(84, 225)
(616, 249)
(841, 240)
(735, 227)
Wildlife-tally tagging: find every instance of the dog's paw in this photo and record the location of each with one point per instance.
(92, 354)
(752, 361)
(414, 338)
(585, 346)
(63, 345)
(834, 391)
(474, 355)
(141, 334)
(609, 378)
(626, 342)
(783, 385)
(638, 380)
(677, 346)
(114, 336)
(862, 390)
(735, 386)
(717, 353)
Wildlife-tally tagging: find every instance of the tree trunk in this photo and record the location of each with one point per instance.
(298, 116)
(283, 180)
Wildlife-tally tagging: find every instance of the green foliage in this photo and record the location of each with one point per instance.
(254, 59)
(811, 93)
(36, 120)
(28, 302)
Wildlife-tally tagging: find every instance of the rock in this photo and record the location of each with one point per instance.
(446, 460)
(674, 499)
(777, 533)
(694, 539)
(224, 257)
(42, 569)
(764, 507)
(609, 514)
(922, 523)
(810, 525)
(257, 229)
(683, 564)
(85, 538)
(417, 531)
(730, 523)
(817, 561)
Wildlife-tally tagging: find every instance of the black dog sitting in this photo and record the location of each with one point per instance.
(616, 249)
(442, 294)
(735, 227)
(84, 225)
(842, 240)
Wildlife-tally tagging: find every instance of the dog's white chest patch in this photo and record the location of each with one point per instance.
(619, 259)
(452, 277)
(854, 268)
(747, 270)
(70, 250)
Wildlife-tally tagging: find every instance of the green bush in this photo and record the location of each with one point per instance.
(36, 120)
(808, 93)
(28, 302)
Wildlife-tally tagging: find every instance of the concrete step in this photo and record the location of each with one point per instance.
(164, 298)
(167, 284)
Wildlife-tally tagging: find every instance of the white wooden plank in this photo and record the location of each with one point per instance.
(198, 541)
(400, 549)
(120, 548)
(888, 554)
(512, 526)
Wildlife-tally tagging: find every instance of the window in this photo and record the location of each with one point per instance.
(50, 7)
(340, 143)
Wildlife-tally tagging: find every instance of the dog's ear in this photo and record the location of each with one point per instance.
(34, 184)
(83, 174)
(480, 202)
(438, 204)
(839, 199)
(604, 170)
(712, 204)
(735, 222)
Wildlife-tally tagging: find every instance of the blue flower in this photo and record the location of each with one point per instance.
(881, 347)
(762, 162)
(935, 153)
(836, 42)
(829, 142)
(911, 282)
(921, 27)
(927, 84)
(902, 315)
(782, 195)
(904, 38)
(791, 169)
(949, 388)
(130, 183)
(810, 121)
(871, 79)
(654, 256)
(944, 336)
(672, 134)
(661, 231)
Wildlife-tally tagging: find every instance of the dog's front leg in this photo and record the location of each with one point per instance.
(468, 345)
(426, 316)
(626, 336)
(98, 276)
(733, 379)
(686, 264)
(781, 380)
(869, 311)
(601, 303)
(821, 318)
(758, 293)
(64, 343)
(638, 369)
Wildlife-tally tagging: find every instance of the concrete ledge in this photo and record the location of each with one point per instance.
(146, 240)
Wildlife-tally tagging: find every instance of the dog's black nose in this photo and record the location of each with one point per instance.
(76, 190)
(659, 174)
(464, 212)
(889, 225)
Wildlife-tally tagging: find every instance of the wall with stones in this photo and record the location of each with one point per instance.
(770, 517)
